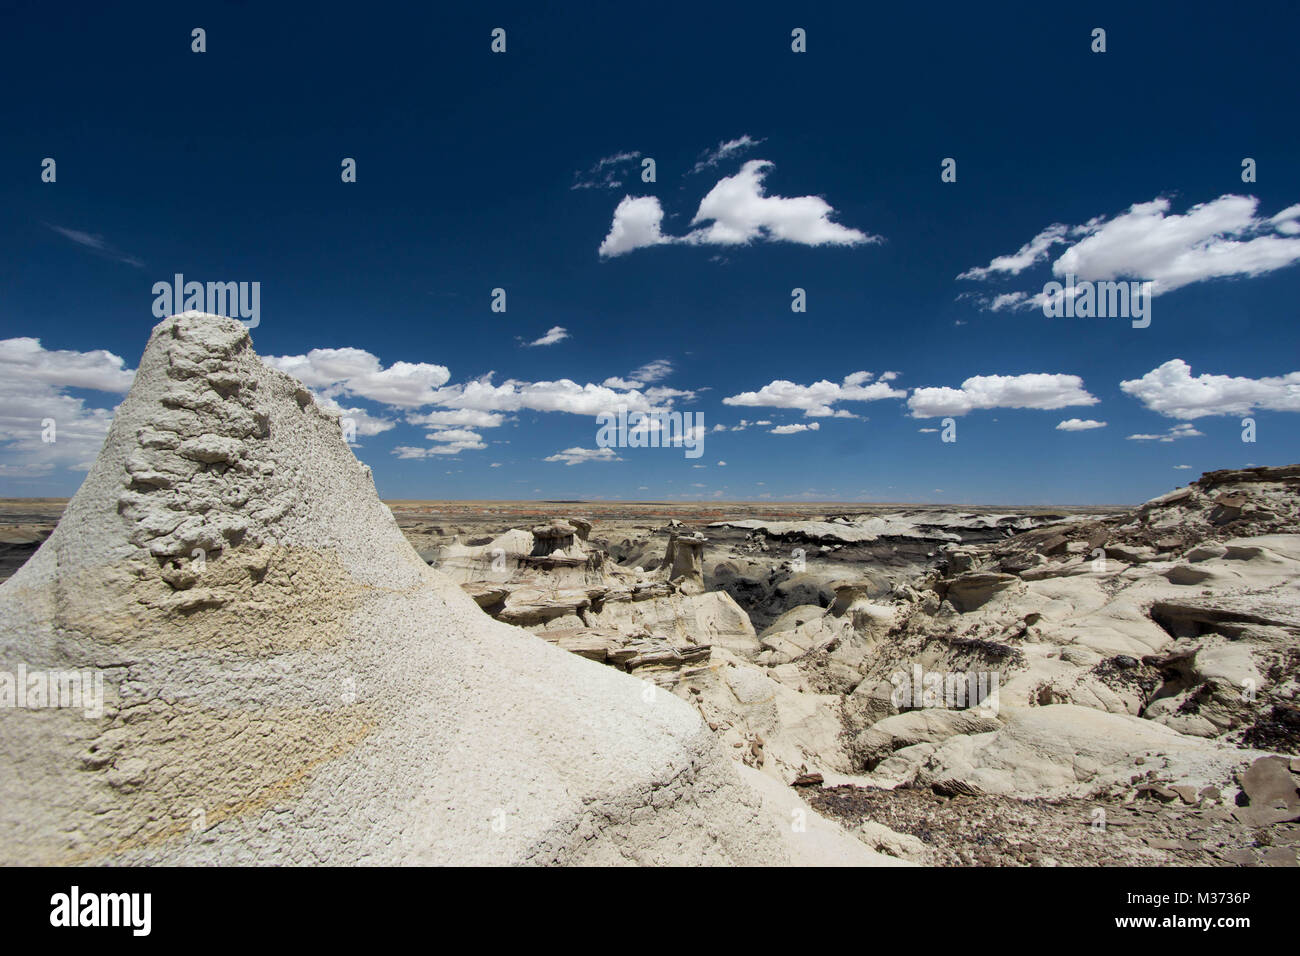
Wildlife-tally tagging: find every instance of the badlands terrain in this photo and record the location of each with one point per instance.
(337, 679)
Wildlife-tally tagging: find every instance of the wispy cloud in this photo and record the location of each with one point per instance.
(96, 244)
(605, 173)
(555, 334)
(1175, 432)
(723, 151)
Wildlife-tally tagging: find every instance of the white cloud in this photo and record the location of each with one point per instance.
(723, 151)
(478, 403)
(622, 383)
(456, 436)
(564, 395)
(1287, 221)
(742, 425)
(640, 377)
(97, 244)
(722, 464)
(450, 441)
(815, 400)
(1079, 425)
(576, 456)
(637, 224)
(555, 334)
(1175, 432)
(1172, 390)
(1033, 390)
(33, 383)
(1035, 250)
(605, 173)
(795, 429)
(737, 212)
(26, 359)
(1182, 467)
(741, 213)
(350, 371)
(1218, 239)
(413, 452)
(653, 371)
(460, 416)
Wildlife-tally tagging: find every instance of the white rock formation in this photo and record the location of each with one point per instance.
(287, 682)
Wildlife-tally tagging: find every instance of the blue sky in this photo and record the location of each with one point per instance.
(225, 166)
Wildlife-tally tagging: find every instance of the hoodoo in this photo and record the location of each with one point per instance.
(285, 681)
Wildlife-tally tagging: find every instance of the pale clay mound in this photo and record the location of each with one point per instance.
(287, 682)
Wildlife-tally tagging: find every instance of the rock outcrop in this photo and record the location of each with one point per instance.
(286, 681)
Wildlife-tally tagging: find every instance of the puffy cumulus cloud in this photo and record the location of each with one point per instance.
(33, 384)
(576, 456)
(1211, 240)
(555, 334)
(1173, 391)
(564, 395)
(350, 371)
(795, 429)
(25, 359)
(740, 212)
(472, 417)
(1175, 432)
(637, 223)
(1033, 390)
(456, 436)
(1079, 425)
(736, 211)
(724, 151)
(1222, 238)
(815, 400)
(448, 441)
(478, 403)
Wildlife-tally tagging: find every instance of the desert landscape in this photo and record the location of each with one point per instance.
(294, 671)
(674, 438)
